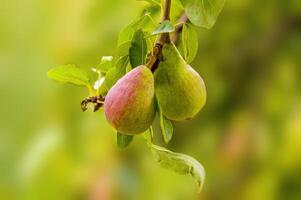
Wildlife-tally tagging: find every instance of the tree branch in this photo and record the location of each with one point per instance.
(154, 58)
(164, 37)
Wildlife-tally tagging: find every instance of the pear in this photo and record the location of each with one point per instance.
(179, 89)
(129, 105)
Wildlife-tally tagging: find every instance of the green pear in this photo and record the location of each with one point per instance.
(129, 105)
(180, 91)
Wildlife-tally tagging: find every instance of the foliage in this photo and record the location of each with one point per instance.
(180, 163)
(247, 136)
(138, 49)
(124, 140)
(165, 27)
(69, 74)
(203, 12)
(133, 49)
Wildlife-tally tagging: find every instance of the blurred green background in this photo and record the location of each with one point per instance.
(248, 136)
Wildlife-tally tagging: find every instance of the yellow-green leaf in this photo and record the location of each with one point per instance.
(116, 72)
(180, 163)
(105, 64)
(123, 140)
(69, 74)
(203, 12)
(164, 27)
(166, 128)
(143, 22)
(188, 43)
(153, 2)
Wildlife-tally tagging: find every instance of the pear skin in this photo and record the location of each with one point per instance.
(180, 90)
(129, 105)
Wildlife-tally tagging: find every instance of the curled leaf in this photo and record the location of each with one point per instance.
(180, 163)
(166, 128)
(188, 44)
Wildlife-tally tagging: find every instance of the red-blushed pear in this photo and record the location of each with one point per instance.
(129, 105)
(180, 90)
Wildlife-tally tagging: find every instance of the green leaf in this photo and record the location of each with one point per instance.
(153, 2)
(148, 135)
(150, 41)
(124, 140)
(166, 128)
(203, 12)
(180, 163)
(123, 49)
(115, 73)
(188, 44)
(138, 49)
(127, 32)
(105, 64)
(69, 74)
(112, 77)
(128, 68)
(164, 27)
(176, 10)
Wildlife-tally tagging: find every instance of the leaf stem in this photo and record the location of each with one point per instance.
(179, 27)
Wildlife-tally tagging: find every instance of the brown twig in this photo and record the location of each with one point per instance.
(97, 101)
(164, 37)
(155, 56)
